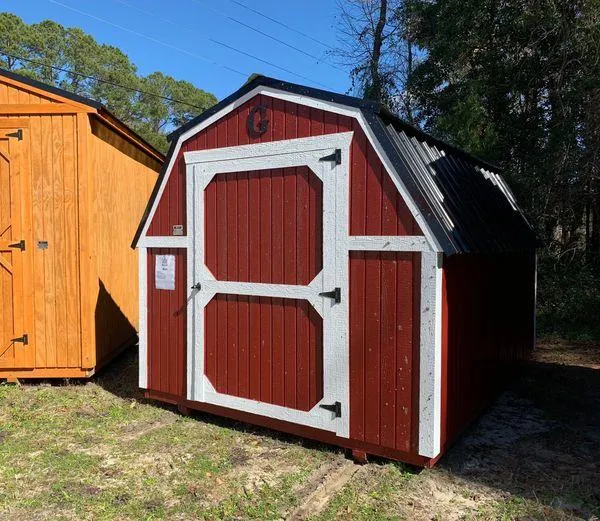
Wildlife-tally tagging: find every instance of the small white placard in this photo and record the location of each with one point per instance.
(164, 274)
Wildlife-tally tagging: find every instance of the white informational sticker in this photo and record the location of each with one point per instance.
(164, 274)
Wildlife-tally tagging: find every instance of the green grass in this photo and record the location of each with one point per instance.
(373, 497)
(98, 450)
(81, 452)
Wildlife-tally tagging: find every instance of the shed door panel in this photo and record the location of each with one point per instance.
(14, 353)
(265, 349)
(269, 328)
(265, 226)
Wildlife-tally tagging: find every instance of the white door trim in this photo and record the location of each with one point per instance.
(201, 167)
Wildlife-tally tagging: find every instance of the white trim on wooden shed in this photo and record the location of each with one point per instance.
(201, 167)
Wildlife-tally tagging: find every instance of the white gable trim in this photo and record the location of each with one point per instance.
(337, 108)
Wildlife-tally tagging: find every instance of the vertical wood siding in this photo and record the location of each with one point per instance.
(265, 349)
(10, 94)
(122, 180)
(384, 297)
(487, 330)
(372, 192)
(265, 226)
(166, 359)
(384, 347)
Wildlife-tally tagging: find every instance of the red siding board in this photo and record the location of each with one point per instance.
(251, 218)
(487, 323)
(166, 360)
(266, 380)
(384, 323)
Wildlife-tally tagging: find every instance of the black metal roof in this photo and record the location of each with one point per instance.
(464, 200)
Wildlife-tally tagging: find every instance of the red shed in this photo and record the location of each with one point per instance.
(312, 264)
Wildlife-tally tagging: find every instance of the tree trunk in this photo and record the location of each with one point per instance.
(376, 81)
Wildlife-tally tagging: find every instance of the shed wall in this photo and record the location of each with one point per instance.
(64, 159)
(376, 207)
(122, 179)
(13, 95)
(167, 327)
(487, 331)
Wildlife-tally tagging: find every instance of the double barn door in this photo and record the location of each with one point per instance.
(269, 320)
(16, 351)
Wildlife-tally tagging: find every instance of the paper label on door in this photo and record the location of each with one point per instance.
(164, 275)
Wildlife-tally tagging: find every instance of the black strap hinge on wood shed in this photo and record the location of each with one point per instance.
(335, 408)
(20, 245)
(18, 134)
(335, 294)
(336, 157)
(22, 339)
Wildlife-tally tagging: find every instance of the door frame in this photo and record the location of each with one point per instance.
(24, 357)
(201, 167)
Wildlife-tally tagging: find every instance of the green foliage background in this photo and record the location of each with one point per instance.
(36, 48)
(518, 83)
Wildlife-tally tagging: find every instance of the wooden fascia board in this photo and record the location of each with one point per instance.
(45, 93)
(14, 123)
(10, 109)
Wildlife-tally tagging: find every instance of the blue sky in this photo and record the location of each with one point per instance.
(174, 37)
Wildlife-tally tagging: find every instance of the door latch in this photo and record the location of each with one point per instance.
(22, 339)
(20, 245)
(335, 408)
(197, 286)
(336, 295)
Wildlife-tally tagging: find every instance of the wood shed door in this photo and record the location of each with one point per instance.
(16, 349)
(270, 301)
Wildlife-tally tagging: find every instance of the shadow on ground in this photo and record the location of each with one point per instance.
(541, 439)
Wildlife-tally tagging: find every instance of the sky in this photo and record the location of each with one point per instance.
(194, 40)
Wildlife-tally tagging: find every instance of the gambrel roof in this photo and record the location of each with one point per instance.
(465, 202)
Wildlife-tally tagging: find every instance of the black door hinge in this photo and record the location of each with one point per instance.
(335, 408)
(336, 157)
(20, 245)
(22, 339)
(18, 134)
(336, 295)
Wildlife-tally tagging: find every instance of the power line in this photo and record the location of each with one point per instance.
(218, 42)
(274, 38)
(150, 38)
(288, 27)
(100, 80)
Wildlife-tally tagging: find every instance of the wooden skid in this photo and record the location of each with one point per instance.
(11, 375)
